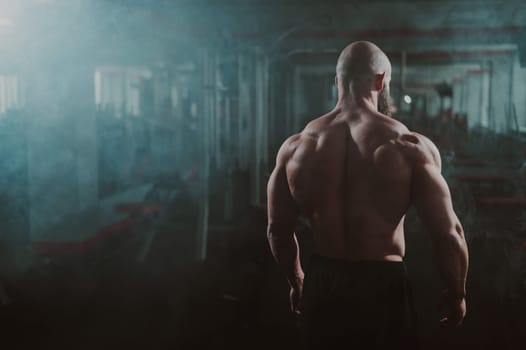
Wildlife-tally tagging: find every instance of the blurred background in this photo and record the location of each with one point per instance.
(137, 137)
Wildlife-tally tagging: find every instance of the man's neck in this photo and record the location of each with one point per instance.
(350, 101)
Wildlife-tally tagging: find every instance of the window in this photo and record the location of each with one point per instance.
(118, 89)
(11, 97)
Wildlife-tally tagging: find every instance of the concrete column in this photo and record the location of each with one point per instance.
(519, 93)
(289, 104)
(218, 117)
(243, 112)
(473, 102)
(456, 103)
(260, 157)
(82, 106)
(484, 96)
(499, 93)
(259, 130)
(298, 97)
(208, 82)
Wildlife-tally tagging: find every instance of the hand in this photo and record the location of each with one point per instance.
(296, 292)
(455, 310)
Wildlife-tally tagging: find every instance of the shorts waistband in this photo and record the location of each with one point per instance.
(356, 265)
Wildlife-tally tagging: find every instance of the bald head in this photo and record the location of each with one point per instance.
(360, 62)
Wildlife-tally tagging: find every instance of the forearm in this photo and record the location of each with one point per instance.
(285, 250)
(451, 256)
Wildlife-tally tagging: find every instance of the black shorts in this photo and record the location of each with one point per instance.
(357, 305)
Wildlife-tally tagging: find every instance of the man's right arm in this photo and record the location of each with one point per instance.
(432, 199)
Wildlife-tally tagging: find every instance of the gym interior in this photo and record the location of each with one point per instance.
(137, 139)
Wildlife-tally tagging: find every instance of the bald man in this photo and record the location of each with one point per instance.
(353, 173)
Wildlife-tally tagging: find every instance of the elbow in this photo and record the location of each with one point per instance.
(272, 232)
(451, 236)
(458, 231)
(460, 236)
(276, 232)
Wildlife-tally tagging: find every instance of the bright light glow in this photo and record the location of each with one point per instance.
(407, 99)
(6, 22)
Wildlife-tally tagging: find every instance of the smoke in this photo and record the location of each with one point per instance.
(99, 98)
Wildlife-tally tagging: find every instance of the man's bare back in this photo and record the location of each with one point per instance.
(357, 199)
(353, 173)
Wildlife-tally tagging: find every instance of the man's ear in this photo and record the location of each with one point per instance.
(336, 80)
(379, 80)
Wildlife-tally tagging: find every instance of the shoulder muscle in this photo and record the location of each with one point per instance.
(287, 149)
(419, 149)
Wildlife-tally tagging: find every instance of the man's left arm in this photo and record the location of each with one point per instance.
(282, 216)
